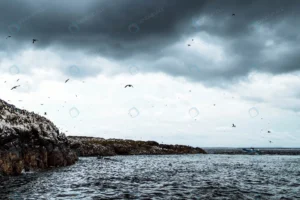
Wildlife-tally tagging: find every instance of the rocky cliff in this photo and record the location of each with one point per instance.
(90, 146)
(29, 142)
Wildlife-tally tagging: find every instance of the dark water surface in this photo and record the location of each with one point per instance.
(163, 177)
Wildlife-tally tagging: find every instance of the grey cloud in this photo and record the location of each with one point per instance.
(103, 28)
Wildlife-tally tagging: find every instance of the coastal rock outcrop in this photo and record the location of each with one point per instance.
(29, 141)
(91, 146)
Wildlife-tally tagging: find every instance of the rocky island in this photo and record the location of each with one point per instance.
(92, 146)
(29, 141)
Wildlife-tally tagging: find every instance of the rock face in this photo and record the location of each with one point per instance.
(89, 146)
(29, 142)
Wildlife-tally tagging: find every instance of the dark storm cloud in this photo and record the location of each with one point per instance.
(137, 31)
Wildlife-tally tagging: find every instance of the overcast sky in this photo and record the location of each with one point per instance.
(196, 67)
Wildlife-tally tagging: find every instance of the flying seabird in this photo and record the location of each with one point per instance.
(34, 40)
(233, 14)
(270, 141)
(269, 131)
(128, 86)
(189, 45)
(18, 80)
(8, 36)
(233, 126)
(67, 80)
(15, 87)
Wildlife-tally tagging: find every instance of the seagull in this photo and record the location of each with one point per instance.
(189, 45)
(233, 126)
(8, 36)
(15, 87)
(45, 113)
(214, 104)
(269, 131)
(67, 80)
(34, 40)
(128, 86)
(270, 141)
(233, 14)
(18, 80)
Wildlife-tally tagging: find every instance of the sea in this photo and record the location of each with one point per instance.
(200, 176)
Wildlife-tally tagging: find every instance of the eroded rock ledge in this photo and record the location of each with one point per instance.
(91, 146)
(29, 141)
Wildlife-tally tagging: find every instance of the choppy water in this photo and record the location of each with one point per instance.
(163, 177)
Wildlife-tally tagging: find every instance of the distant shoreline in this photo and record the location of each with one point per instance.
(262, 151)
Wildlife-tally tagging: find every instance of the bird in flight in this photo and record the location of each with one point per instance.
(270, 141)
(128, 86)
(45, 113)
(269, 131)
(233, 126)
(15, 87)
(189, 45)
(18, 80)
(34, 40)
(233, 14)
(67, 80)
(8, 36)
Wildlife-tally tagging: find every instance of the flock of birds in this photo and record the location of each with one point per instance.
(128, 85)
